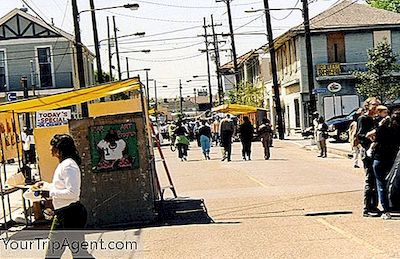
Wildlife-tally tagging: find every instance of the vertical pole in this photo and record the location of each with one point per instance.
(217, 64)
(195, 100)
(235, 65)
(180, 97)
(274, 71)
(109, 49)
(147, 89)
(79, 54)
(127, 67)
(116, 49)
(208, 64)
(155, 96)
(310, 70)
(96, 43)
(24, 84)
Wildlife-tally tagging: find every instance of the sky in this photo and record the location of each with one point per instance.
(173, 30)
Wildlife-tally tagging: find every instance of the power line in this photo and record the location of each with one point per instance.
(167, 60)
(286, 16)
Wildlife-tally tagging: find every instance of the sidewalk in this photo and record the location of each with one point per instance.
(337, 148)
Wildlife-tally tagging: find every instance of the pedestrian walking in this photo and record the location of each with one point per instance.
(354, 143)
(65, 191)
(321, 136)
(215, 131)
(315, 127)
(386, 145)
(246, 131)
(365, 125)
(226, 131)
(205, 139)
(265, 133)
(182, 141)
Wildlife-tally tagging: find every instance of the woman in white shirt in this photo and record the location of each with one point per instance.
(65, 189)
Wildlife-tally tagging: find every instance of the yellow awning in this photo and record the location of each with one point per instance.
(73, 97)
(235, 109)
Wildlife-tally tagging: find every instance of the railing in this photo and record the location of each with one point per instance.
(339, 69)
(59, 79)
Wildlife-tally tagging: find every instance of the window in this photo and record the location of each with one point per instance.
(380, 36)
(45, 70)
(336, 47)
(297, 112)
(3, 82)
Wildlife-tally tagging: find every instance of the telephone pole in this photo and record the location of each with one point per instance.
(208, 63)
(116, 49)
(96, 43)
(235, 65)
(180, 97)
(217, 61)
(274, 71)
(79, 55)
(109, 49)
(310, 72)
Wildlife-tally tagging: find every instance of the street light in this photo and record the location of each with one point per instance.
(132, 7)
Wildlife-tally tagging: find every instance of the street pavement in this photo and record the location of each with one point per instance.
(263, 209)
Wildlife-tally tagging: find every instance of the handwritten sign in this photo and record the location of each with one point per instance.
(52, 118)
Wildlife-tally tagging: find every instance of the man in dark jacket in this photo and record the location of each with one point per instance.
(365, 125)
(246, 136)
(226, 131)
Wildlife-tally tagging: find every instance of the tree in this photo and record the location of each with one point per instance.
(248, 94)
(390, 5)
(380, 79)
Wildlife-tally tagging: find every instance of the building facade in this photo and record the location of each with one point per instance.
(44, 54)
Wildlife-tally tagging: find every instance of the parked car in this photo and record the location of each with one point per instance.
(338, 127)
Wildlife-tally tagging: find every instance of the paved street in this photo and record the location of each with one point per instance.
(259, 209)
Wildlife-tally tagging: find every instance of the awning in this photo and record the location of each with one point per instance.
(73, 97)
(235, 109)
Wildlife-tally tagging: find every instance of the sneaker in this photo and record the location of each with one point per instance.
(244, 158)
(386, 216)
(371, 214)
(185, 158)
(356, 166)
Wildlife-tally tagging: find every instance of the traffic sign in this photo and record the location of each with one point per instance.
(320, 91)
(334, 87)
(11, 96)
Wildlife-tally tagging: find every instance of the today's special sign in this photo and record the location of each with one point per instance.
(52, 118)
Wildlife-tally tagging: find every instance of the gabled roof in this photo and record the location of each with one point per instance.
(350, 14)
(54, 30)
(240, 60)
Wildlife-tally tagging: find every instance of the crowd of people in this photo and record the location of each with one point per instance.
(219, 132)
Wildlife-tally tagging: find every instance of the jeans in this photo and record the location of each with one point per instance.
(246, 149)
(182, 150)
(370, 192)
(266, 144)
(226, 141)
(356, 154)
(205, 144)
(381, 169)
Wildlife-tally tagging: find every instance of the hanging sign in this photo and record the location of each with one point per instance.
(334, 87)
(52, 118)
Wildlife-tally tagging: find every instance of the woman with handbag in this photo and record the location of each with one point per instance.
(321, 136)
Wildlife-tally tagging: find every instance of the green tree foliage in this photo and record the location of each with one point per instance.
(248, 94)
(390, 5)
(380, 79)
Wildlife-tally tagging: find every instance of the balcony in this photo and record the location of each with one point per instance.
(330, 71)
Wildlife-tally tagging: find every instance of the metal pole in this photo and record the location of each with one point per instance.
(195, 100)
(274, 71)
(24, 84)
(208, 64)
(155, 96)
(127, 67)
(147, 89)
(235, 65)
(116, 49)
(96, 43)
(180, 97)
(79, 55)
(310, 70)
(109, 49)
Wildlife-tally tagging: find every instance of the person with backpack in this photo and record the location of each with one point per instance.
(265, 133)
(182, 141)
(354, 143)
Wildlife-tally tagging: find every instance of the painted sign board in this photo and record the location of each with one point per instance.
(52, 118)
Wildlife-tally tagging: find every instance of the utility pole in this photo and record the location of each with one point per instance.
(147, 89)
(79, 55)
(274, 71)
(155, 96)
(235, 65)
(217, 62)
(310, 71)
(180, 97)
(195, 99)
(109, 49)
(96, 43)
(116, 49)
(127, 67)
(208, 63)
